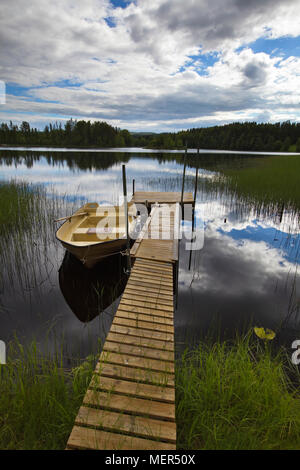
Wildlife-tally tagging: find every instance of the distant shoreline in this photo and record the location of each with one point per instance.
(137, 150)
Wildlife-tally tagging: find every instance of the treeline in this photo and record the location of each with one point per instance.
(72, 134)
(279, 137)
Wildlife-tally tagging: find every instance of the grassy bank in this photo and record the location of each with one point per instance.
(273, 182)
(39, 398)
(237, 396)
(228, 396)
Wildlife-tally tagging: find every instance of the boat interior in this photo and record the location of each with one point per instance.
(96, 224)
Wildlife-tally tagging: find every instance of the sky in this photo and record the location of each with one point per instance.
(151, 66)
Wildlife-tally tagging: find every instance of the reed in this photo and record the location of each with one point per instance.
(28, 248)
(39, 397)
(237, 395)
(229, 395)
(272, 181)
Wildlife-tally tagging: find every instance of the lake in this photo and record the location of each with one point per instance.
(244, 275)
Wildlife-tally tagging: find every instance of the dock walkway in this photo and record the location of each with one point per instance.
(130, 402)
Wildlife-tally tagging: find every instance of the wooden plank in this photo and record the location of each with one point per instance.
(125, 404)
(134, 389)
(141, 236)
(155, 274)
(151, 284)
(155, 249)
(138, 351)
(156, 264)
(168, 197)
(149, 276)
(140, 333)
(145, 264)
(175, 250)
(144, 296)
(143, 317)
(143, 290)
(138, 341)
(145, 286)
(137, 375)
(139, 303)
(138, 362)
(163, 257)
(145, 293)
(152, 281)
(86, 438)
(152, 270)
(140, 281)
(147, 311)
(151, 288)
(143, 325)
(135, 425)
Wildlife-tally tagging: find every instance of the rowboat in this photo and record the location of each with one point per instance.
(94, 232)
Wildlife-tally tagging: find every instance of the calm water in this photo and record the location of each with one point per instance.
(245, 274)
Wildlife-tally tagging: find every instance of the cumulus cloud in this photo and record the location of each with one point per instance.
(143, 66)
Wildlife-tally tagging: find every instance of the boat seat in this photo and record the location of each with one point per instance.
(91, 234)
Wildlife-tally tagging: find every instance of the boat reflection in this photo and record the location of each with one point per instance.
(88, 292)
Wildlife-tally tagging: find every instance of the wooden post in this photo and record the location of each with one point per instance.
(133, 187)
(183, 178)
(176, 268)
(196, 184)
(193, 214)
(126, 221)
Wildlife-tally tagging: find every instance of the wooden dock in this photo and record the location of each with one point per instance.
(130, 402)
(152, 197)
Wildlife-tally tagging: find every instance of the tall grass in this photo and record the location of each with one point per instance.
(273, 182)
(39, 398)
(27, 249)
(236, 396)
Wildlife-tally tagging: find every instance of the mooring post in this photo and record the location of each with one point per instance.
(196, 184)
(183, 178)
(133, 186)
(193, 211)
(126, 220)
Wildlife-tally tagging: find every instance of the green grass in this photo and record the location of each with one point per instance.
(27, 232)
(273, 181)
(233, 395)
(236, 396)
(39, 398)
(17, 202)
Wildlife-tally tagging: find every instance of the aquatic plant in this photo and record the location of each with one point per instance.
(237, 395)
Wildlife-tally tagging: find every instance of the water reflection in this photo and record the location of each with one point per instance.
(246, 273)
(90, 291)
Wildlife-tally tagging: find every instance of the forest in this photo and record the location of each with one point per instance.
(278, 137)
(73, 134)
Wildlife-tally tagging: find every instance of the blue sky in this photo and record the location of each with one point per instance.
(150, 66)
(274, 238)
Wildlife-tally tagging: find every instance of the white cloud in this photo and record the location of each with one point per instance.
(139, 74)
